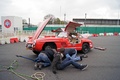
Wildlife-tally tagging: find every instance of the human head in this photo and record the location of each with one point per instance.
(62, 50)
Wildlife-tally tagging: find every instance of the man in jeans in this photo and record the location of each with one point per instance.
(45, 58)
(58, 64)
(71, 53)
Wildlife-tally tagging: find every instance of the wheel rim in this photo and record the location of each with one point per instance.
(86, 48)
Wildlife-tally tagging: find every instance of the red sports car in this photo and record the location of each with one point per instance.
(66, 38)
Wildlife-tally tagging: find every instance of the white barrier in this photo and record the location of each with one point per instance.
(101, 34)
(25, 38)
(4, 41)
(119, 34)
(86, 35)
(109, 34)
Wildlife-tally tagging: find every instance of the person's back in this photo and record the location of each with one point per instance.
(50, 53)
(45, 58)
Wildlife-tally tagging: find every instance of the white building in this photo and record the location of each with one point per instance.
(11, 24)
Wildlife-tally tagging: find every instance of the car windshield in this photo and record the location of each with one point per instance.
(62, 34)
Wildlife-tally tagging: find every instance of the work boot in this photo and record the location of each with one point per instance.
(83, 67)
(36, 66)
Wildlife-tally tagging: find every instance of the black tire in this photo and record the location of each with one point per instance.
(36, 52)
(52, 45)
(85, 48)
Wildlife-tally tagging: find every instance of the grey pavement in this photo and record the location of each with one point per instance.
(103, 65)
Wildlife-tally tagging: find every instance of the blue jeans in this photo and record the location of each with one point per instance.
(43, 58)
(66, 62)
(74, 57)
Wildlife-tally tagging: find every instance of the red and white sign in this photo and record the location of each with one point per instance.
(7, 23)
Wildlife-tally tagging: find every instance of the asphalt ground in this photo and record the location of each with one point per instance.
(103, 65)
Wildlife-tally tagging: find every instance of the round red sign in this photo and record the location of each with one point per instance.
(7, 23)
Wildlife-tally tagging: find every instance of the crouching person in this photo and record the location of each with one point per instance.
(59, 64)
(44, 58)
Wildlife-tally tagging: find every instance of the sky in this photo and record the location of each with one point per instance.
(37, 9)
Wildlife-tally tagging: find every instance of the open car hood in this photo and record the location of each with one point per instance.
(70, 27)
(40, 28)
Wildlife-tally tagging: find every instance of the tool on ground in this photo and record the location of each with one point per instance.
(100, 48)
(25, 57)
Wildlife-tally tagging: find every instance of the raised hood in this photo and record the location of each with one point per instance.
(40, 28)
(71, 26)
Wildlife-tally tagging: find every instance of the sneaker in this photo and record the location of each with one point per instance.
(83, 67)
(83, 56)
(36, 66)
(40, 65)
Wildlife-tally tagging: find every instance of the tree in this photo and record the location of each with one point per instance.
(49, 15)
(54, 20)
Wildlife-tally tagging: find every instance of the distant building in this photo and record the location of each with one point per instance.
(11, 23)
(97, 21)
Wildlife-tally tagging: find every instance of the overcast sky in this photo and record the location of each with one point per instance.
(37, 9)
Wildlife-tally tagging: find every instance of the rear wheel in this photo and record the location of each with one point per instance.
(36, 52)
(51, 44)
(85, 48)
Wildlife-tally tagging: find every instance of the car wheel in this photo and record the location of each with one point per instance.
(52, 45)
(85, 48)
(36, 52)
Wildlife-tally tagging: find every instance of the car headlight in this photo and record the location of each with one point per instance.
(91, 45)
(34, 42)
(29, 46)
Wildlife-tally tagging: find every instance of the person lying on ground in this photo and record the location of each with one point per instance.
(72, 53)
(59, 64)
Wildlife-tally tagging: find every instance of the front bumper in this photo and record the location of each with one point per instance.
(29, 46)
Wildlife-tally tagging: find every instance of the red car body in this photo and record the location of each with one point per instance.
(37, 44)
